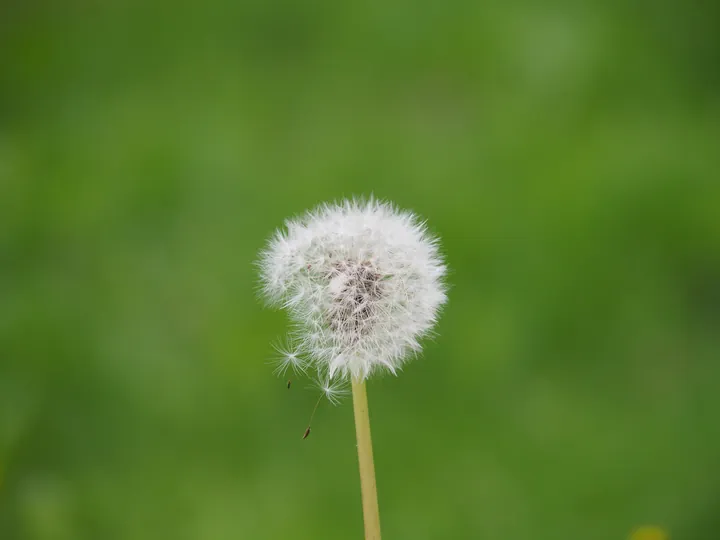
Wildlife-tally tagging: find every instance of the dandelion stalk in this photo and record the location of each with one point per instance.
(371, 513)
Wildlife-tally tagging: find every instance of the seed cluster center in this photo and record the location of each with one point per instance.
(354, 308)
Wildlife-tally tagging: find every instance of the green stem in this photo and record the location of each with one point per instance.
(371, 514)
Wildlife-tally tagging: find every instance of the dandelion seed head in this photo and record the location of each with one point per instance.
(363, 283)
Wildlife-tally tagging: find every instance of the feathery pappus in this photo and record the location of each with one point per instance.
(363, 282)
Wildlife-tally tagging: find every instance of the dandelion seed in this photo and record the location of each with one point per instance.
(331, 389)
(287, 358)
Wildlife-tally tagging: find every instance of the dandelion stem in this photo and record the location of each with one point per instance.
(368, 486)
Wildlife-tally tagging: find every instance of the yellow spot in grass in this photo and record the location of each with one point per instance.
(649, 533)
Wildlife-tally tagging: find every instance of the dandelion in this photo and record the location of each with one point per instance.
(363, 283)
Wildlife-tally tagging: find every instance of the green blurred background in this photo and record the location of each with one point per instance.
(568, 156)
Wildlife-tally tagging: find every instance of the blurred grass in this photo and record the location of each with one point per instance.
(567, 156)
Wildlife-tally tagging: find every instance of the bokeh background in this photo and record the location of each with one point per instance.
(567, 154)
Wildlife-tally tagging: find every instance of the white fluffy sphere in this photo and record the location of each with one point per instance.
(363, 282)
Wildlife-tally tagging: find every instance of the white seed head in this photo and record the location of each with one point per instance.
(363, 283)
